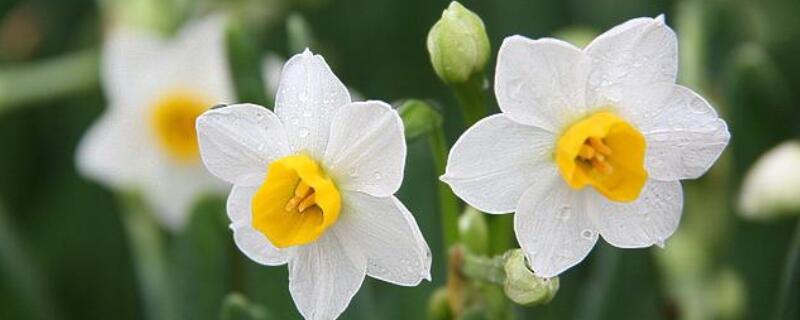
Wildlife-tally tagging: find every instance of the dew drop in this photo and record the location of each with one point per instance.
(303, 132)
(660, 243)
(376, 175)
(564, 213)
(587, 234)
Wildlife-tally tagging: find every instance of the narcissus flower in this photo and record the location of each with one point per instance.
(589, 143)
(313, 187)
(156, 88)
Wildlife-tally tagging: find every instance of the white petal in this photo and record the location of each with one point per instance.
(387, 234)
(649, 220)
(252, 243)
(639, 52)
(684, 135)
(200, 61)
(173, 190)
(496, 160)
(367, 150)
(240, 140)
(771, 186)
(553, 227)
(308, 96)
(324, 276)
(116, 150)
(541, 82)
(130, 60)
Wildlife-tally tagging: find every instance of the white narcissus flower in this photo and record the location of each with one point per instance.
(772, 186)
(156, 88)
(589, 143)
(314, 187)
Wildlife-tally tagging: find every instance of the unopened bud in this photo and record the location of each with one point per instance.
(419, 118)
(458, 45)
(473, 231)
(524, 287)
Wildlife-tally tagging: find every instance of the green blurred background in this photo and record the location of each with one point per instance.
(63, 249)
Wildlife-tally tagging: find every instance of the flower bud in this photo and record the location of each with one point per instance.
(524, 287)
(473, 231)
(458, 45)
(772, 185)
(419, 118)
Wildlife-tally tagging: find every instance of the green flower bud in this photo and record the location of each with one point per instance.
(473, 231)
(524, 287)
(439, 306)
(458, 45)
(419, 118)
(772, 186)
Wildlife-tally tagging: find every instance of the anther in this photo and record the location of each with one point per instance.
(308, 202)
(302, 190)
(586, 152)
(599, 146)
(602, 166)
(303, 198)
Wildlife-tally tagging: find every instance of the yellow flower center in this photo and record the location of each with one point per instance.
(296, 203)
(172, 119)
(605, 152)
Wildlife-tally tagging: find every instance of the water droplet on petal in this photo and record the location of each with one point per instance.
(587, 234)
(303, 132)
(564, 213)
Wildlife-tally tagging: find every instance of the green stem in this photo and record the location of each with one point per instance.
(148, 257)
(502, 230)
(789, 277)
(49, 79)
(604, 270)
(17, 268)
(472, 99)
(448, 204)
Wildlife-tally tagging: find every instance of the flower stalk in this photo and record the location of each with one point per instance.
(448, 205)
(420, 119)
(472, 98)
(148, 254)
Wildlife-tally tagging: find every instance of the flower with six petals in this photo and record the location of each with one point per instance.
(156, 88)
(314, 186)
(589, 143)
